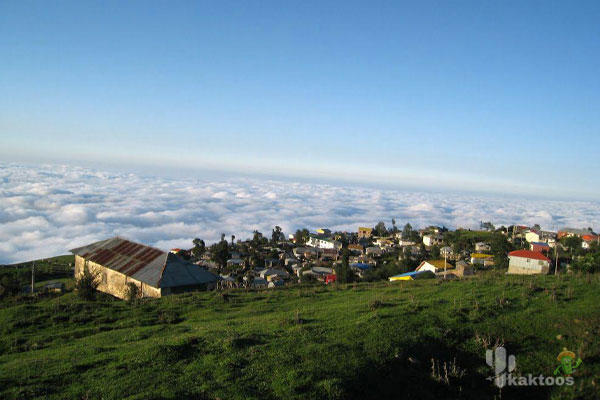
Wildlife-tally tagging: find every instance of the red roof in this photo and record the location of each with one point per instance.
(534, 255)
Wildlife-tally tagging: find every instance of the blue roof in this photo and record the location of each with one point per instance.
(541, 244)
(413, 273)
(361, 265)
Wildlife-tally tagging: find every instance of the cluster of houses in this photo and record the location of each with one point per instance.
(119, 262)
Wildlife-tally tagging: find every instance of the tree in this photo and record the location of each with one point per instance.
(132, 292)
(302, 236)
(500, 249)
(394, 228)
(276, 235)
(487, 226)
(537, 228)
(380, 228)
(572, 243)
(87, 284)
(220, 253)
(9, 285)
(406, 231)
(199, 248)
(435, 252)
(591, 261)
(256, 239)
(343, 271)
(232, 239)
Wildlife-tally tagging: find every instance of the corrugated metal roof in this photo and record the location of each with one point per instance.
(534, 255)
(412, 273)
(144, 263)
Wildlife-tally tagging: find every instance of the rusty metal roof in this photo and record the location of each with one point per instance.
(144, 263)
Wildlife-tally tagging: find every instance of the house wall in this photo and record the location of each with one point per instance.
(364, 233)
(521, 265)
(532, 237)
(427, 267)
(482, 247)
(322, 244)
(113, 282)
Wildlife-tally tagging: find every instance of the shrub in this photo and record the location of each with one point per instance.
(132, 292)
(9, 285)
(87, 284)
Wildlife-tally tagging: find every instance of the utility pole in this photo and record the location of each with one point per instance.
(445, 256)
(556, 259)
(32, 276)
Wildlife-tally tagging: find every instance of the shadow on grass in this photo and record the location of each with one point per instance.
(432, 370)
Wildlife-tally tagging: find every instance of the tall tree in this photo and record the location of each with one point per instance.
(406, 231)
(276, 235)
(500, 249)
(220, 253)
(199, 248)
(380, 228)
(343, 271)
(572, 244)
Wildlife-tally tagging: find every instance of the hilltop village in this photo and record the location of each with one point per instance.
(367, 254)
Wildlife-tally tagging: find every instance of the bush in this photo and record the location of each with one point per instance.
(132, 292)
(87, 284)
(9, 285)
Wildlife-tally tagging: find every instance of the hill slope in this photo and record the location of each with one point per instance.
(311, 342)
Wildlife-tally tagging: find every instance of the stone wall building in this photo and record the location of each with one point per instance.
(117, 262)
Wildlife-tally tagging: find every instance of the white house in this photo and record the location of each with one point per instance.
(384, 242)
(482, 247)
(271, 273)
(528, 262)
(532, 236)
(374, 250)
(323, 243)
(434, 266)
(432, 240)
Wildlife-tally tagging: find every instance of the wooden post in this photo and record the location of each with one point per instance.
(32, 277)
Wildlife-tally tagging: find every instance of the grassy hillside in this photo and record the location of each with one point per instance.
(375, 340)
(54, 269)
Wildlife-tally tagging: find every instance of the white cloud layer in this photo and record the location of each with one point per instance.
(47, 210)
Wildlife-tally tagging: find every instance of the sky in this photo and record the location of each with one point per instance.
(492, 96)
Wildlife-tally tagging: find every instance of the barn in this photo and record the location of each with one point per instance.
(118, 262)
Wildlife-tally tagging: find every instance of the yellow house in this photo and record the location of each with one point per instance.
(364, 232)
(481, 258)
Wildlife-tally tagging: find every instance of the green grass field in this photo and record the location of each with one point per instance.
(377, 340)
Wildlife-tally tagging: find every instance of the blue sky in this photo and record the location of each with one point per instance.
(497, 96)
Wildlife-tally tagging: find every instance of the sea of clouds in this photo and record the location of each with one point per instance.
(47, 210)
